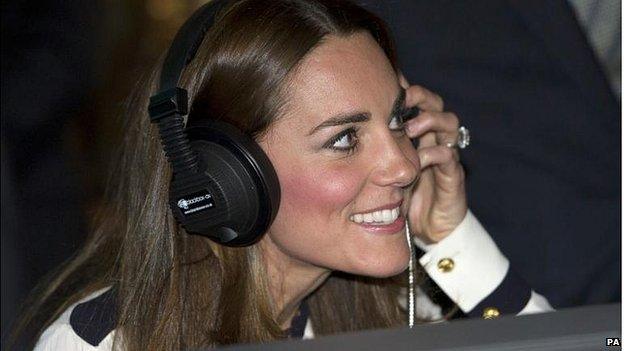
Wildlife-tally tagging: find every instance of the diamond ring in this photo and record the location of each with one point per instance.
(463, 139)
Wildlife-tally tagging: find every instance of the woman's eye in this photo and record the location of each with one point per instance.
(396, 123)
(345, 141)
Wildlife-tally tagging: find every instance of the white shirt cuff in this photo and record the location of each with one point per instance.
(467, 265)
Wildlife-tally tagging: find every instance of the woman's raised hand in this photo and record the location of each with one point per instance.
(438, 203)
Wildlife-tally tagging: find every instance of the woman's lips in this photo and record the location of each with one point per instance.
(384, 207)
(391, 228)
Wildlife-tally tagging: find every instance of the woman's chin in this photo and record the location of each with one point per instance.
(383, 268)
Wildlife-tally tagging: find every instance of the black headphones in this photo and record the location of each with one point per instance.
(223, 185)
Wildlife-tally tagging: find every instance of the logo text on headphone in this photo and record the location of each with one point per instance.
(195, 202)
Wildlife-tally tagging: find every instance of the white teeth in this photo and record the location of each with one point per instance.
(386, 215)
(381, 217)
(378, 216)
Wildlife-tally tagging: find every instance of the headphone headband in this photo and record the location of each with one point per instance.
(186, 43)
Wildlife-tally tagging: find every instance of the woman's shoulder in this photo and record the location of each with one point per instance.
(86, 325)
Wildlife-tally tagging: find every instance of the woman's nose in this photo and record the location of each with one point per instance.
(394, 166)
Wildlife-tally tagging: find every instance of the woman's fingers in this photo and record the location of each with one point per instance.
(426, 100)
(439, 201)
(444, 124)
(446, 158)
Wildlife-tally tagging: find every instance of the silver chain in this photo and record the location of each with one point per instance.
(410, 278)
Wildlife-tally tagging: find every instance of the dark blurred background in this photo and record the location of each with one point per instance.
(66, 69)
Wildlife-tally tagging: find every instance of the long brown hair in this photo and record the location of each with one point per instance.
(174, 290)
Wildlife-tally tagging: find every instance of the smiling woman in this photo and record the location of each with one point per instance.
(315, 84)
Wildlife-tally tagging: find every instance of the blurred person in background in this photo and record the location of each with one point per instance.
(539, 84)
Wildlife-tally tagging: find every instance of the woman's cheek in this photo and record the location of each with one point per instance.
(320, 190)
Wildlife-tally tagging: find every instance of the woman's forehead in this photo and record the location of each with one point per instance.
(343, 74)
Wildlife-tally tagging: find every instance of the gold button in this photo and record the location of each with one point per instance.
(446, 265)
(490, 313)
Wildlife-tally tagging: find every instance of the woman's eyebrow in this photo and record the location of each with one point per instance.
(397, 106)
(341, 119)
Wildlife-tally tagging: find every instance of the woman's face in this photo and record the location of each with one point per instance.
(342, 157)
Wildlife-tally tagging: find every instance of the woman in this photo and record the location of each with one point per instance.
(315, 84)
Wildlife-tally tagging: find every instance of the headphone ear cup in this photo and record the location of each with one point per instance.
(240, 181)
